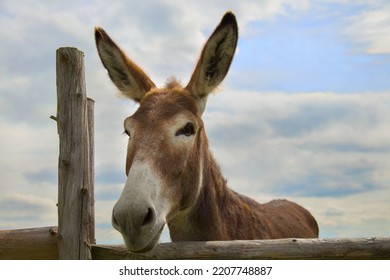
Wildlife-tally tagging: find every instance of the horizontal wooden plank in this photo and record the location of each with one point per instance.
(41, 244)
(29, 244)
(344, 248)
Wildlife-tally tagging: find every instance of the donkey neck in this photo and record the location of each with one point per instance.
(206, 218)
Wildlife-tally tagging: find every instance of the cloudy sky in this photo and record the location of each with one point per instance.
(303, 113)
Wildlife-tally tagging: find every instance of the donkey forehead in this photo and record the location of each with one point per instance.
(162, 105)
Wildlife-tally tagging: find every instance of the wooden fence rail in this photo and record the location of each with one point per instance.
(41, 243)
(29, 244)
(277, 249)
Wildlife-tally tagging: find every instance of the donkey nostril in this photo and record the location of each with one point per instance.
(149, 218)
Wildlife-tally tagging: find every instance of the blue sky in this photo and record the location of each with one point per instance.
(302, 114)
(310, 53)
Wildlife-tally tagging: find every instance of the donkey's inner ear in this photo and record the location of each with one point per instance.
(215, 59)
(125, 74)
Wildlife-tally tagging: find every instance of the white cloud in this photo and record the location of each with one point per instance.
(358, 215)
(328, 151)
(26, 150)
(370, 30)
(28, 172)
(27, 210)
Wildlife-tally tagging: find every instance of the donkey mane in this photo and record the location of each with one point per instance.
(172, 83)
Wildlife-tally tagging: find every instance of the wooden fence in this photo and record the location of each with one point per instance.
(74, 237)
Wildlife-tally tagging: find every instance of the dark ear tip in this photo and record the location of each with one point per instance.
(100, 33)
(228, 18)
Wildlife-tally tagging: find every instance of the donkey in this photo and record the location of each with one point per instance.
(172, 176)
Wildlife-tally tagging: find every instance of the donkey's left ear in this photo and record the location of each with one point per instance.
(215, 60)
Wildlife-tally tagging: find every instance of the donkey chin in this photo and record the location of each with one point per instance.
(142, 242)
(139, 241)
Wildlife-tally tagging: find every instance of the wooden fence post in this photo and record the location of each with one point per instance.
(75, 176)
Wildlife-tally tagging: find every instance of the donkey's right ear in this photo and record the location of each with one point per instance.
(215, 60)
(126, 75)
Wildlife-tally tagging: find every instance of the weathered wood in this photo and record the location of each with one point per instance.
(87, 230)
(29, 244)
(74, 175)
(90, 202)
(346, 248)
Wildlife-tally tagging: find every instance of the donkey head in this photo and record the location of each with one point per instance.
(166, 136)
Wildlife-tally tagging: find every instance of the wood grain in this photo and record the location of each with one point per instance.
(29, 244)
(75, 181)
(344, 248)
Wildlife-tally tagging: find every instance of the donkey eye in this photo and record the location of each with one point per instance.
(187, 130)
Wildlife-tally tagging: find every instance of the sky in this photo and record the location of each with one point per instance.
(303, 113)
